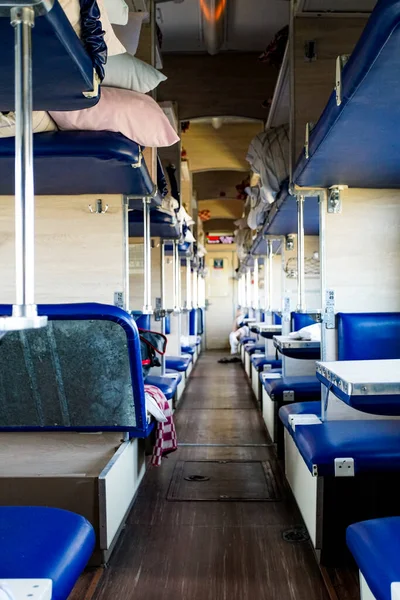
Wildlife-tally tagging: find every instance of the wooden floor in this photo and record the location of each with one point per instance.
(177, 550)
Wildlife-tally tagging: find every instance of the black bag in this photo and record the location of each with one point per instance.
(151, 344)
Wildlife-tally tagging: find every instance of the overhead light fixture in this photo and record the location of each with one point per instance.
(213, 13)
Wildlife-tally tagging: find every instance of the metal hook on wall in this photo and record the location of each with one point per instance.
(99, 208)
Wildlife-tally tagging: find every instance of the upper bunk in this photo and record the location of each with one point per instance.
(77, 162)
(355, 142)
(63, 71)
(66, 73)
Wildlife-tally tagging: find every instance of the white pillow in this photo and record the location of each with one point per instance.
(41, 122)
(117, 11)
(129, 35)
(130, 73)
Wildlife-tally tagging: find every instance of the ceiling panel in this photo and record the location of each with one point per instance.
(251, 24)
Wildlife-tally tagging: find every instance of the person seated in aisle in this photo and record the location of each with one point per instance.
(239, 331)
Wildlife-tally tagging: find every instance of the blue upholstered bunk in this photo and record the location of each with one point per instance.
(62, 69)
(356, 143)
(163, 224)
(76, 162)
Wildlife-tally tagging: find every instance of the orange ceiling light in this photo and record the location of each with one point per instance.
(212, 15)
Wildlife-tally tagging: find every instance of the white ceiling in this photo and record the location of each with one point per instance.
(251, 24)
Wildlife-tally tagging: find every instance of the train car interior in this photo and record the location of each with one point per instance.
(200, 299)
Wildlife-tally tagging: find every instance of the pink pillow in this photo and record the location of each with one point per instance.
(135, 115)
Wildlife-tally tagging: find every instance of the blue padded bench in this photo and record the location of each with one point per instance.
(168, 385)
(178, 363)
(44, 543)
(283, 391)
(260, 361)
(83, 372)
(375, 545)
(188, 349)
(348, 469)
(298, 408)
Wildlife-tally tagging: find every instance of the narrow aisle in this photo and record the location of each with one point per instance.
(174, 548)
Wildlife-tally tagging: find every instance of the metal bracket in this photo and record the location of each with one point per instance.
(289, 242)
(315, 470)
(329, 317)
(344, 467)
(310, 53)
(335, 199)
(340, 63)
(159, 313)
(99, 208)
(288, 396)
(96, 85)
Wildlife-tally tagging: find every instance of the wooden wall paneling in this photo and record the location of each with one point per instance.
(136, 274)
(79, 256)
(314, 81)
(362, 263)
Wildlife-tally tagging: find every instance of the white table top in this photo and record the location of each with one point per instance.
(267, 327)
(284, 341)
(363, 376)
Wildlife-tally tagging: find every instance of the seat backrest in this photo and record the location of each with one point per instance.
(300, 320)
(276, 318)
(81, 372)
(368, 336)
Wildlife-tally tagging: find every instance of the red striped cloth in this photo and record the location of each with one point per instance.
(166, 441)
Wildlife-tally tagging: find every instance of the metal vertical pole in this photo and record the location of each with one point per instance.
(248, 288)
(301, 302)
(270, 276)
(125, 207)
(255, 289)
(25, 310)
(162, 291)
(188, 284)
(176, 276)
(147, 308)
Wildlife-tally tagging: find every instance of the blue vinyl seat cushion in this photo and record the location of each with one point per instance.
(259, 361)
(298, 408)
(255, 348)
(305, 388)
(375, 546)
(44, 543)
(175, 374)
(247, 339)
(188, 349)
(168, 385)
(178, 363)
(374, 445)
